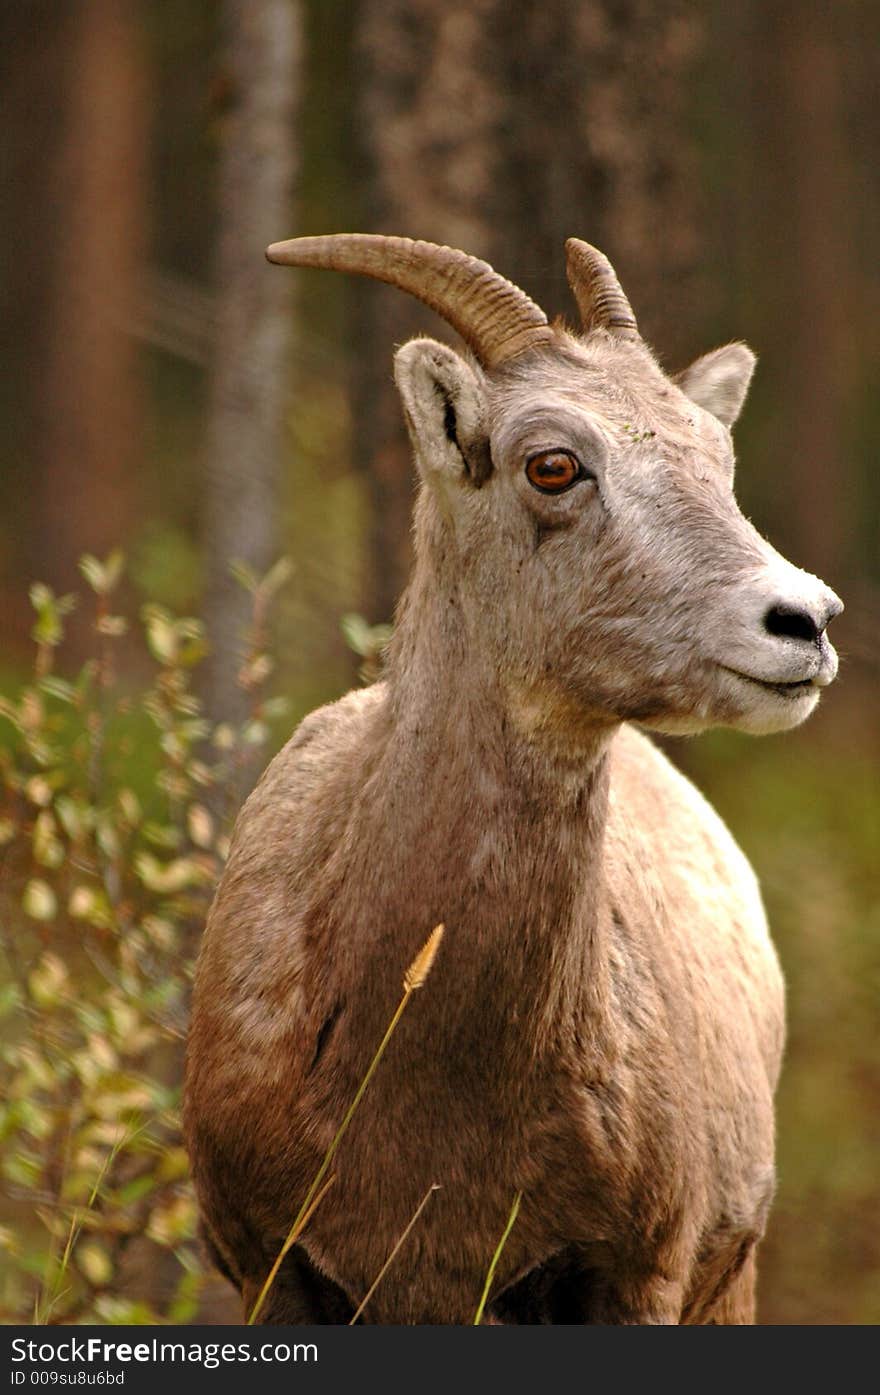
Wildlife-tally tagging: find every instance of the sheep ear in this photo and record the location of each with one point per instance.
(719, 381)
(444, 405)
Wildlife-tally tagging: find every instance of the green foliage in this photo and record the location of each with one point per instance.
(114, 822)
(369, 641)
(114, 815)
(806, 809)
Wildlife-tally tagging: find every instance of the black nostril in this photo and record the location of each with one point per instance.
(790, 622)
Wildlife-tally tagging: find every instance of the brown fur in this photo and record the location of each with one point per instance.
(603, 1026)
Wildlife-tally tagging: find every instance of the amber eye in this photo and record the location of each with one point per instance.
(553, 471)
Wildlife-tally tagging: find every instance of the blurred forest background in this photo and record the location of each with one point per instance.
(168, 396)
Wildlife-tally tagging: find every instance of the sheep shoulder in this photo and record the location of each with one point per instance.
(672, 864)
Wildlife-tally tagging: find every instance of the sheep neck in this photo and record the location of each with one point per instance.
(497, 831)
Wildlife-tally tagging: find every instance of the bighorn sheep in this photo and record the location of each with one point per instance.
(603, 1026)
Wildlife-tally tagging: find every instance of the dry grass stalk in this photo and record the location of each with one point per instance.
(306, 1211)
(434, 1187)
(413, 978)
(514, 1212)
(50, 1293)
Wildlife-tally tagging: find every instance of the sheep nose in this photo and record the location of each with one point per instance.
(795, 620)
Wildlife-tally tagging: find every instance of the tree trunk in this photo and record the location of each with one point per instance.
(92, 250)
(426, 102)
(249, 386)
(594, 142)
(814, 234)
(504, 130)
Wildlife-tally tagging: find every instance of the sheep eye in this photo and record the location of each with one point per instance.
(553, 471)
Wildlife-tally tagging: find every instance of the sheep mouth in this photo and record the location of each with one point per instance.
(799, 688)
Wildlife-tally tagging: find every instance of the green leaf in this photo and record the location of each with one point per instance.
(169, 877)
(48, 981)
(9, 1241)
(58, 688)
(50, 611)
(136, 1190)
(194, 644)
(113, 568)
(108, 837)
(356, 633)
(129, 806)
(39, 900)
(94, 1262)
(21, 1169)
(47, 847)
(39, 791)
(90, 903)
(255, 733)
(366, 640)
(40, 595)
(162, 835)
(280, 572)
(245, 575)
(224, 736)
(200, 826)
(103, 577)
(124, 1312)
(257, 671)
(185, 1305)
(161, 931)
(75, 817)
(48, 629)
(94, 573)
(10, 998)
(276, 707)
(162, 638)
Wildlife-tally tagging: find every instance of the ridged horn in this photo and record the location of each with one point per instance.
(492, 315)
(597, 290)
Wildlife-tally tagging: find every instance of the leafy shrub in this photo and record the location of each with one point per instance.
(114, 824)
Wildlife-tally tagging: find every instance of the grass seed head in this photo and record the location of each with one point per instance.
(423, 963)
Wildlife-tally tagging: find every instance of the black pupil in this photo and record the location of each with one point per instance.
(553, 469)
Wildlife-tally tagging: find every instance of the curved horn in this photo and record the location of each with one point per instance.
(597, 290)
(492, 315)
